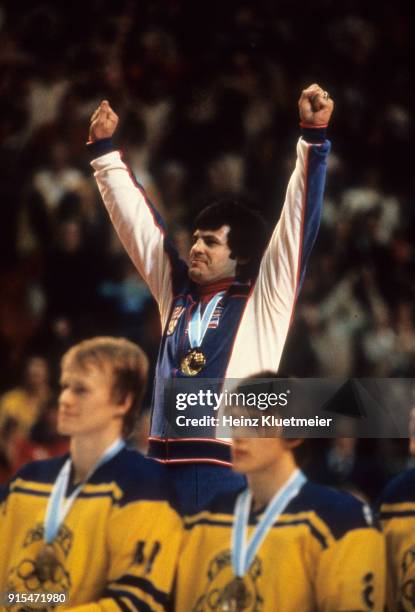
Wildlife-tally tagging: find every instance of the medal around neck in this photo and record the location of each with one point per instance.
(194, 361)
(47, 564)
(244, 551)
(235, 596)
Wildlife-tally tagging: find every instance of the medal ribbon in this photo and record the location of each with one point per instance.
(243, 552)
(198, 324)
(57, 507)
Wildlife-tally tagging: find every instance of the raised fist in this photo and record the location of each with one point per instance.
(315, 106)
(103, 122)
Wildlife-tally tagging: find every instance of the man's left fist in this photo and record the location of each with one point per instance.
(315, 106)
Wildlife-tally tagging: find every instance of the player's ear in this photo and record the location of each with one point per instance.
(242, 261)
(293, 443)
(124, 405)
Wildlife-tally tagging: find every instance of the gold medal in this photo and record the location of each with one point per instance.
(193, 362)
(235, 596)
(46, 564)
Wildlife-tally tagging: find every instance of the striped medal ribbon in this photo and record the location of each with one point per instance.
(58, 507)
(243, 551)
(199, 324)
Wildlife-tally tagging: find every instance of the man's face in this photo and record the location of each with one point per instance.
(252, 455)
(210, 256)
(86, 406)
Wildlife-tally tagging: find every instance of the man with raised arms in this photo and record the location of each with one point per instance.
(226, 314)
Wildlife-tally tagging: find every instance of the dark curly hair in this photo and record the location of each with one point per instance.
(248, 234)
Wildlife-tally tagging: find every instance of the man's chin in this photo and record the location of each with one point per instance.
(196, 276)
(64, 428)
(238, 466)
(67, 433)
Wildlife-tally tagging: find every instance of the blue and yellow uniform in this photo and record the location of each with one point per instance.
(323, 553)
(119, 532)
(397, 515)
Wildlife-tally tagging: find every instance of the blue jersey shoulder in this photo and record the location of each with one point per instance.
(135, 475)
(223, 503)
(44, 471)
(138, 477)
(340, 511)
(399, 490)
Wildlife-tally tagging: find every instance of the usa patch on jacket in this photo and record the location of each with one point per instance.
(176, 314)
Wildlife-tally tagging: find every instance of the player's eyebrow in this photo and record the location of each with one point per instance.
(69, 379)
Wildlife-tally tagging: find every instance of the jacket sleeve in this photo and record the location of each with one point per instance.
(140, 228)
(283, 265)
(144, 540)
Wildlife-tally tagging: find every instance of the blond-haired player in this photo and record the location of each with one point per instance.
(92, 525)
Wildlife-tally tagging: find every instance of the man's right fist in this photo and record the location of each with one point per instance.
(103, 122)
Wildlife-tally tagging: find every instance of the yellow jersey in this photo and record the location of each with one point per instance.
(397, 515)
(323, 553)
(119, 532)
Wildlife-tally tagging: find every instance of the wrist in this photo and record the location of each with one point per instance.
(99, 147)
(314, 134)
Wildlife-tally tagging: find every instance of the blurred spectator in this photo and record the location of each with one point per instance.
(71, 277)
(23, 404)
(43, 442)
(9, 437)
(57, 178)
(378, 345)
(125, 297)
(49, 200)
(54, 338)
(333, 325)
(352, 464)
(404, 349)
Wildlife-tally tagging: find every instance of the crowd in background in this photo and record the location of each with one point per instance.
(207, 97)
